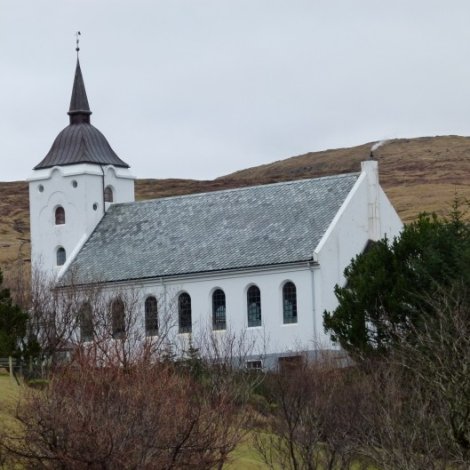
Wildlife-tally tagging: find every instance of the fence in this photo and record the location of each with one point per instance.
(20, 368)
(7, 363)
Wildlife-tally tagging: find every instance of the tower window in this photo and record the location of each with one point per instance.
(151, 316)
(184, 313)
(61, 257)
(108, 194)
(253, 297)
(289, 302)
(60, 216)
(218, 310)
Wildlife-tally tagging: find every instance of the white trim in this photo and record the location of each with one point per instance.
(70, 258)
(338, 215)
(79, 169)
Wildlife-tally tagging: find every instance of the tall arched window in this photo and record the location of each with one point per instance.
(61, 256)
(59, 216)
(108, 194)
(253, 297)
(118, 321)
(218, 310)
(289, 302)
(151, 316)
(184, 313)
(86, 322)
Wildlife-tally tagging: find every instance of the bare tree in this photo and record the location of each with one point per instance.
(316, 418)
(95, 320)
(148, 416)
(418, 406)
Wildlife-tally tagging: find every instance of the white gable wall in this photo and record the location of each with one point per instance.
(366, 214)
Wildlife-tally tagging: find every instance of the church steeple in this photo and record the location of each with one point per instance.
(80, 142)
(70, 188)
(79, 110)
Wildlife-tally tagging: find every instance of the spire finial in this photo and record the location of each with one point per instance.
(77, 40)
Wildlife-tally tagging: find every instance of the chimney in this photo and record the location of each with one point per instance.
(371, 170)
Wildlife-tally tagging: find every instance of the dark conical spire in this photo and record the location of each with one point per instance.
(79, 111)
(80, 142)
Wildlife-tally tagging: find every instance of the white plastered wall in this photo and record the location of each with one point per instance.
(273, 337)
(79, 190)
(366, 214)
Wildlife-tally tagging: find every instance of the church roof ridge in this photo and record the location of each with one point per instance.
(241, 188)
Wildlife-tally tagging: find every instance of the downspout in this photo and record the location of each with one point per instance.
(165, 306)
(102, 188)
(311, 266)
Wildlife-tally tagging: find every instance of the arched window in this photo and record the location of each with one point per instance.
(86, 322)
(108, 194)
(61, 256)
(184, 313)
(59, 216)
(218, 310)
(289, 302)
(118, 321)
(253, 297)
(151, 316)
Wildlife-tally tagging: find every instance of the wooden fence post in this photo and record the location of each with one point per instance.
(10, 365)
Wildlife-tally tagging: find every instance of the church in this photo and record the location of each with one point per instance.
(260, 262)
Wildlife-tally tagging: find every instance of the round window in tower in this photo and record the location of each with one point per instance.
(74, 183)
(95, 206)
(40, 188)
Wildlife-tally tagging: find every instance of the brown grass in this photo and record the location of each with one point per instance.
(422, 174)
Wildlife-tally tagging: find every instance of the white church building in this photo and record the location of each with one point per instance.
(257, 261)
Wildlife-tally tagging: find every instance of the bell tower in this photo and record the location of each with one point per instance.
(73, 186)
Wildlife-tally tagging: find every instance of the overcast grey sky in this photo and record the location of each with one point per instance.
(201, 88)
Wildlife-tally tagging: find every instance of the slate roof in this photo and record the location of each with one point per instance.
(80, 142)
(255, 226)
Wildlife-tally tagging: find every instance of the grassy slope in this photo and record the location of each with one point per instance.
(9, 396)
(418, 175)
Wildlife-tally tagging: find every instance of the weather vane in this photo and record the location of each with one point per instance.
(77, 38)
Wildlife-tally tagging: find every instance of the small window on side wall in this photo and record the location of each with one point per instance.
(108, 194)
(151, 316)
(254, 365)
(86, 322)
(218, 310)
(289, 302)
(61, 256)
(59, 216)
(118, 321)
(253, 298)
(184, 313)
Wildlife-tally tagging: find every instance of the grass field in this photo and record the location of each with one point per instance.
(9, 396)
(10, 393)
